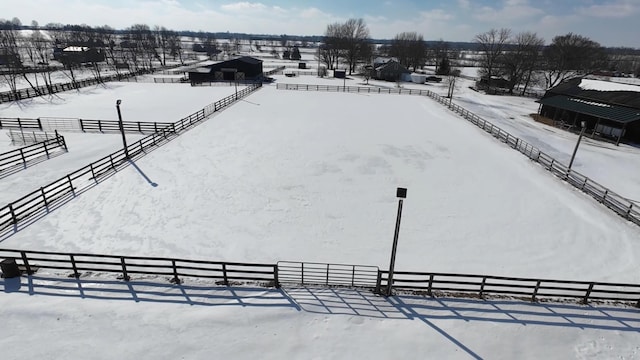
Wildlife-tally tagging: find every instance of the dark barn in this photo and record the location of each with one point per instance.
(611, 112)
(243, 68)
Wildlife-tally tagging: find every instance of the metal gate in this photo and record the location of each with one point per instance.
(305, 273)
(60, 124)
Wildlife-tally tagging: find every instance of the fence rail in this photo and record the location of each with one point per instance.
(22, 156)
(23, 137)
(309, 273)
(82, 125)
(619, 204)
(52, 195)
(125, 266)
(434, 284)
(20, 123)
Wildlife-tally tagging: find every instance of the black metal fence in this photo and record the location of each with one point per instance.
(618, 203)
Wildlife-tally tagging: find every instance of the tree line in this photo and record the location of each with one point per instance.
(520, 59)
(137, 49)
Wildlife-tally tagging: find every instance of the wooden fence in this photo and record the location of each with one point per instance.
(20, 123)
(33, 205)
(619, 204)
(27, 93)
(84, 125)
(22, 156)
(322, 274)
(225, 273)
(468, 285)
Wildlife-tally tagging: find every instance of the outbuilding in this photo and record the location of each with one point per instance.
(244, 68)
(607, 109)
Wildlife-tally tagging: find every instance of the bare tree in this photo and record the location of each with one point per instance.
(354, 35)
(519, 62)
(439, 52)
(410, 49)
(492, 45)
(10, 53)
(569, 55)
(329, 51)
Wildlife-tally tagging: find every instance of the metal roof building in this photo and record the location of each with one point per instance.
(607, 111)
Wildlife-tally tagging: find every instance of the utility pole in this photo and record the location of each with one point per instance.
(401, 194)
(121, 125)
(584, 127)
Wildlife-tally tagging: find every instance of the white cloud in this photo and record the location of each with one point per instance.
(464, 4)
(618, 9)
(512, 12)
(243, 7)
(436, 15)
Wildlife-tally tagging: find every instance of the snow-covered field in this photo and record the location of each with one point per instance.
(310, 176)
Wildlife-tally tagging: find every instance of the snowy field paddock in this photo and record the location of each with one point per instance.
(287, 175)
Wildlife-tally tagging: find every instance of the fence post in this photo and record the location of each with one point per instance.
(629, 211)
(276, 280)
(604, 197)
(327, 276)
(75, 269)
(484, 281)
(429, 289)
(23, 158)
(176, 279)
(39, 124)
(302, 273)
(23, 254)
(379, 280)
(353, 274)
(44, 198)
(586, 296)
(224, 274)
(535, 291)
(14, 218)
(71, 185)
(125, 276)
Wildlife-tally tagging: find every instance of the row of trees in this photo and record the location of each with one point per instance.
(521, 58)
(348, 42)
(137, 49)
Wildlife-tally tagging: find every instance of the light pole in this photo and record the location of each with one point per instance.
(124, 139)
(401, 193)
(584, 127)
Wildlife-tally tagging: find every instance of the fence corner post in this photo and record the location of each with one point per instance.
(276, 280)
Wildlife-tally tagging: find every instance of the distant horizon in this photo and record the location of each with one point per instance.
(609, 22)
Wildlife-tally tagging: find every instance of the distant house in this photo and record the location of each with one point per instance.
(610, 110)
(493, 85)
(242, 68)
(390, 71)
(78, 55)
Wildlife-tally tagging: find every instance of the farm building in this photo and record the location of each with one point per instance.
(390, 71)
(242, 68)
(78, 55)
(608, 110)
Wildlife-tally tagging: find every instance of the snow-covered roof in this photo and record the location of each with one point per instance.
(600, 85)
(76, 48)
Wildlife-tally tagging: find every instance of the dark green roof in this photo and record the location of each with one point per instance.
(619, 114)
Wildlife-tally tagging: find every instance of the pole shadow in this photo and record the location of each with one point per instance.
(142, 173)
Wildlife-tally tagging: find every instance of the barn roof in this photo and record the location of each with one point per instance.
(599, 91)
(615, 113)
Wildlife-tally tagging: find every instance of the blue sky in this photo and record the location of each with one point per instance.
(610, 22)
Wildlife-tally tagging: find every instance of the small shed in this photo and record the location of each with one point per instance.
(242, 68)
(609, 110)
(339, 74)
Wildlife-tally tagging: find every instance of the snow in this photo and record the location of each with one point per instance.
(311, 176)
(590, 84)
